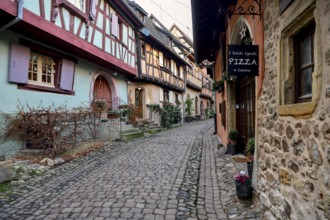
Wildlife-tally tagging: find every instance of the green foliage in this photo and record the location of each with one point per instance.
(189, 106)
(210, 112)
(218, 85)
(250, 145)
(99, 106)
(4, 186)
(169, 114)
(233, 134)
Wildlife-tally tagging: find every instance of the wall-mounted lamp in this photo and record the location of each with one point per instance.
(115, 73)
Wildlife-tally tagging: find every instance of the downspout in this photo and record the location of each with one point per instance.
(138, 51)
(18, 18)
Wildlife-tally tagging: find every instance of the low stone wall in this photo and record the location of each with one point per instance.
(6, 171)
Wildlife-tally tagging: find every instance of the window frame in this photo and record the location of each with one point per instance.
(285, 92)
(79, 8)
(166, 95)
(306, 32)
(143, 51)
(62, 63)
(39, 72)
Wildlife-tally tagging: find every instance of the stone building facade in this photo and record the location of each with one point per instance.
(293, 114)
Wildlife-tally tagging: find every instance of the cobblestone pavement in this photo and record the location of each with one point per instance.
(175, 174)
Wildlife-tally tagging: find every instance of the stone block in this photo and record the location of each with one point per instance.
(284, 177)
(6, 171)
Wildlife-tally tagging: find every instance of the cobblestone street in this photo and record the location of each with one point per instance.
(175, 174)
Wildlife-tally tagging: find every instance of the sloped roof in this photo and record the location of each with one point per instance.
(207, 24)
(159, 34)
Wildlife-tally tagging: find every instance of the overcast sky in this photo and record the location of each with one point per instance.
(169, 12)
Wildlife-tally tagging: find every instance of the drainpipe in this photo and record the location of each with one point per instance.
(18, 17)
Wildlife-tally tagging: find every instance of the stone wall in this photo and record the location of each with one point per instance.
(293, 174)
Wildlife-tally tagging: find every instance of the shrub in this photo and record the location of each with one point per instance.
(169, 113)
(51, 127)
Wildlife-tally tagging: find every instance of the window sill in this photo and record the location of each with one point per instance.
(299, 110)
(44, 89)
(74, 10)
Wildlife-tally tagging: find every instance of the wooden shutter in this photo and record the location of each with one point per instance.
(92, 9)
(67, 75)
(223, 113)
(161, 59)
(173, 66)
(114, 25)
(19, 64)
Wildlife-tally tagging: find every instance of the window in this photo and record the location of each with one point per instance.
(178, 70)
(37, 68)
(298, 69)
(79, 4)
(284, 4)
(143, 50)
(166, 96)
(41, 70)
(167, 63)
(304, 63)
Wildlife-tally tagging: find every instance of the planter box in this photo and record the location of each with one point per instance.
(244, 192)
(6, 171)
(231, 149)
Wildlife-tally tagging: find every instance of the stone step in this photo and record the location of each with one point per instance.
(131, 135)
(154, 130)
(130, 130)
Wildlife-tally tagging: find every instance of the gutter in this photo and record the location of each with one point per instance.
(18, 18)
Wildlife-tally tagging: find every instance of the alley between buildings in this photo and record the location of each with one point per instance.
(176, 174)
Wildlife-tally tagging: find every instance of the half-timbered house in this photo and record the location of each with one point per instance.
(66, 52)
(161, 70)
(199, 78)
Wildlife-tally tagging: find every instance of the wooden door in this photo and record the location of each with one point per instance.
(245, 107)
(139, 102)
(102, 91)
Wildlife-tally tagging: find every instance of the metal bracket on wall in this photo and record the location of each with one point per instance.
(245, 8)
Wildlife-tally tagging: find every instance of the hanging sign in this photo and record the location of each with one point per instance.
(243, 60)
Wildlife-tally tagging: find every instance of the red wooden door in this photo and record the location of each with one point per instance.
(102, 91)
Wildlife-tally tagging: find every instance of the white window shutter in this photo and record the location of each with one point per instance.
(173, 67)
(161, 95)
(161, 59)
(114, 25)
(171, 97)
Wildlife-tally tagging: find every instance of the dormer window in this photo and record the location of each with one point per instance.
(141, 16)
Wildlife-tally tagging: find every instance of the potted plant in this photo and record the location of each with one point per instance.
(99, 106)
(189, 109)
(249, 153)
(218, 85)
(113, 113)
(232, 141)
(243, 185)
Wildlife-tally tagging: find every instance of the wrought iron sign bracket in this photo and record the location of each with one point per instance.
(244, 8)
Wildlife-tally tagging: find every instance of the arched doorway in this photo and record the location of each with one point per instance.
(139, 102)
(202, 109)
(244, 89)
(102, 91)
